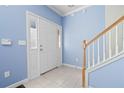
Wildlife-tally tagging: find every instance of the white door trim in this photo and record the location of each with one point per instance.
(27, 29)
(27, 39)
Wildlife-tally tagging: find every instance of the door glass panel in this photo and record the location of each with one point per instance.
(33, 24)
(33, 34)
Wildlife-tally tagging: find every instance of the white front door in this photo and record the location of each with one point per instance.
(43, 44)
(48, 45)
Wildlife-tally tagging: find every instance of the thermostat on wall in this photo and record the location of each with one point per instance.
(6, 42)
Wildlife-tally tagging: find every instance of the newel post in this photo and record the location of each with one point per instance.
(84, 65)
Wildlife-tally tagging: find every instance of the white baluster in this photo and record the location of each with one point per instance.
(104, 52)
(116, 39)
(110, 44)
(88, 57)
(98, 60)
(93, 55)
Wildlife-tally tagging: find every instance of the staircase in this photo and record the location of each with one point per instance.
(105, 48)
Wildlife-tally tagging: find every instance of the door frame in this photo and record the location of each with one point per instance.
(27, 37)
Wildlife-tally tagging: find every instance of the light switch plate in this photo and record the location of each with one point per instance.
(22, 42)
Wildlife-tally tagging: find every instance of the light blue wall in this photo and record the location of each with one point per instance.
(79, 27)
(13, 26)
(110, 76)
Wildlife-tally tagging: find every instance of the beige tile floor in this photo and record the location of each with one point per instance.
(62, 77)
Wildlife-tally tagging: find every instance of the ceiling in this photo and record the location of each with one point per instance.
(65, 10)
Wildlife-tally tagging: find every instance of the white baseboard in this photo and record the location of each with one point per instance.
(17, 83)
(90, 87)
(73, 66)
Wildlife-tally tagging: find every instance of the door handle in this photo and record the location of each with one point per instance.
(41, 49)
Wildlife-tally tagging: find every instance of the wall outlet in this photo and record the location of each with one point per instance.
(76, 59)
(7, 74)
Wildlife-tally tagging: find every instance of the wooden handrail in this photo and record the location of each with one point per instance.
(106, 30)
(85, 44)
